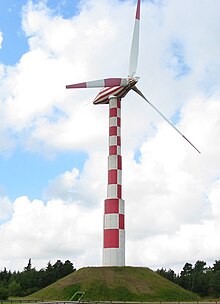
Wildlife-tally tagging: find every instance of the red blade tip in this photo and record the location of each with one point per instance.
(138, 10)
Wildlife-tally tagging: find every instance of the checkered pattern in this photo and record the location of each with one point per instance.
(114, 233)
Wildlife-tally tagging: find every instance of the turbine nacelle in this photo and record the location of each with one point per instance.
(118, 91)
(119, 87)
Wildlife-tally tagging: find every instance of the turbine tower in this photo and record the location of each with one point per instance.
(113, 90)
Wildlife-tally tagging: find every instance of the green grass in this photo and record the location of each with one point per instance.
(116, 284)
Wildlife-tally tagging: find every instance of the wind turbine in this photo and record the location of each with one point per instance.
(113, 90)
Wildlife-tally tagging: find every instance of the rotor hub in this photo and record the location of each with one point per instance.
(133, 80)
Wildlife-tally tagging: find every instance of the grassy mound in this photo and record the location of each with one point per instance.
(116, 284)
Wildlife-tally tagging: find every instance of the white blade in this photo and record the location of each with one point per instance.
(135, 43)
(167, 120)
(101, 83)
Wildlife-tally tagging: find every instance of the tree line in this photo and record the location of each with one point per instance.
(30, 280)
(197, 278)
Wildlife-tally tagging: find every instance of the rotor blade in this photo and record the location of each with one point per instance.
(108, 82)
(135, 43)
(167, 120)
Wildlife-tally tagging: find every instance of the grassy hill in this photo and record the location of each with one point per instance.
(115, 283)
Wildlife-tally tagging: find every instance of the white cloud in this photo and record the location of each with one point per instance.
(87, 188)
(63, 186)
(40, 103)
(171, 195)
(50, 231)
(214, 197)
(172, 207)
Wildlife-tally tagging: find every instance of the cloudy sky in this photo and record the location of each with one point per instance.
(53, 142)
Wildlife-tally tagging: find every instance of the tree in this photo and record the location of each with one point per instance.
(29, 266)
(14, 288)
(200, 267)
(200, 283)
(215, 279)
(58, 267)
(216, 283)
(168, 274)
(185, 279)
(3, 293)
(67, 268)
(216, 265)
(30, 280)
(5, 276)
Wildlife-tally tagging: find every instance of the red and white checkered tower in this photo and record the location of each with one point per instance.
(114, 89)
(114, 230)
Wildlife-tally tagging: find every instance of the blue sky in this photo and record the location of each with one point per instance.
(10, 24)
(25, 173)
(15, 42)
(22, 172)
(54, 142)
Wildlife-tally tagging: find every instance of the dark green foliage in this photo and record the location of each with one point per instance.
(3, 293)
(215, 279)
(199, 279)
(14, 288)
(168, 274)
(30, 280)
